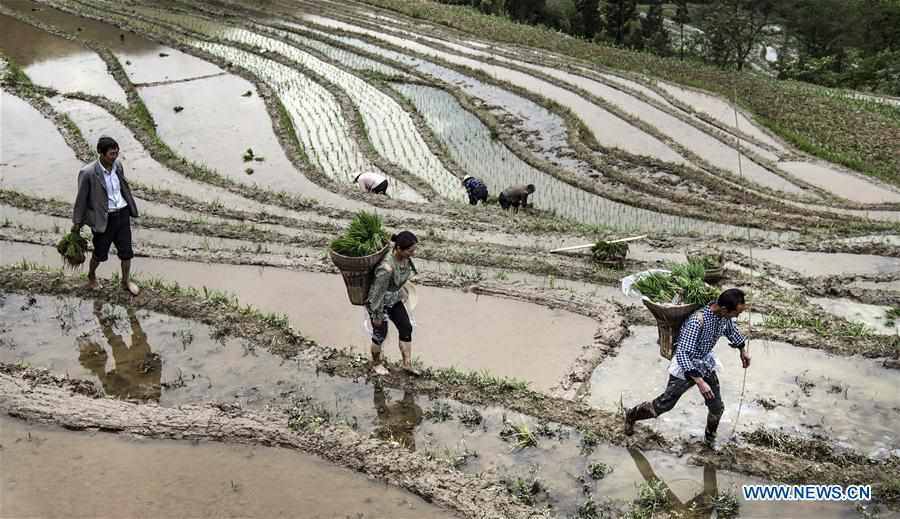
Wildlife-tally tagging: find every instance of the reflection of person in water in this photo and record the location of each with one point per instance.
(137, 370)
(697, 506)
(397, 421)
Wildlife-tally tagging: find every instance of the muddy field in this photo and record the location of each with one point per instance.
(238, 383)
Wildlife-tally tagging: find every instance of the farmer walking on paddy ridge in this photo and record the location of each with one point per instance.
(372, 183)
(476, 189)
(386, 300)
(694, 362)
(515, 196)
(104, 203)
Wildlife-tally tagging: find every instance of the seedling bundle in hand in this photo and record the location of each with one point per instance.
(72, 248)
(365, 235)
(683, 285)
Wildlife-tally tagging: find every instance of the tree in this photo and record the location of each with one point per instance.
(653, 33)
(616, 16)
(528, 11)
(682, 16)
(588, 19)
(732, 29)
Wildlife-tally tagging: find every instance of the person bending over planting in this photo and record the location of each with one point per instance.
(372, 183)
(694, 362)
(104, 203)
(385, 300)
(476, 189)
(514, 196)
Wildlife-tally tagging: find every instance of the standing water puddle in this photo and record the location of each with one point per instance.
(509, 338)
(849, 399)
(873, 316)
(68, 334)
(845, 185)
(144, 60)
(829, 264)
(52, 171)
(217, 128)
(53, 473)
(55, 62)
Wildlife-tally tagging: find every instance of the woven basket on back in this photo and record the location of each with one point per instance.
(668, 321)
(357, 273)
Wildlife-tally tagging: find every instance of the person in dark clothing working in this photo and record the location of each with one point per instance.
(515, 196)
(104, 203)
(694, 362)
(476, 189)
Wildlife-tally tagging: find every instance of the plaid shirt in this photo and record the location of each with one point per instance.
(694, 355)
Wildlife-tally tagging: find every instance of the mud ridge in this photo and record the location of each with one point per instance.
(54, 401)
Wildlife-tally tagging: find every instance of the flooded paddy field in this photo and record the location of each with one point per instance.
(239, 383)
(145, 356)
(52, 472)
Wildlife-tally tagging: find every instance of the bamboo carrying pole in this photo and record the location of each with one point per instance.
(589, 245)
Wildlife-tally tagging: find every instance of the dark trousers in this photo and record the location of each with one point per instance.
(506, 204)
(479, 193)
(381, 188)
(118, 232)
(677, 387)
(400, 318)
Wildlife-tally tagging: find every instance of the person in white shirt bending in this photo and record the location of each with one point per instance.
(372, 183)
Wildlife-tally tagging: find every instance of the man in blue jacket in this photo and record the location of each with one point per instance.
(476, 189)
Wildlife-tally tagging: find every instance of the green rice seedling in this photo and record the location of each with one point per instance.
(72, 248)
(653, 495)
(604, 251)
(439, 412)
(598, 470)
(365, 235)
(892, 314)
(525, 489)
(519, 434)
(683, 285)
(725, 504)
(657, 286)
(471, 417)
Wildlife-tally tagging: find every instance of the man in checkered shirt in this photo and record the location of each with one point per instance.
(694, 362)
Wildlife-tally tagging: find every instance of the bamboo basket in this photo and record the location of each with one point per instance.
(357, 273)
(713, 274)
(668, 321)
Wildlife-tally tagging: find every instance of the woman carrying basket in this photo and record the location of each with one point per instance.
(386, 300)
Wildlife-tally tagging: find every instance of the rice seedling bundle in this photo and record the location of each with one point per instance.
(604, 251)
(72, 248)
(364, 236)
(683, 285)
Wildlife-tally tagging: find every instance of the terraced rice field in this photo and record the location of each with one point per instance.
(241, 127)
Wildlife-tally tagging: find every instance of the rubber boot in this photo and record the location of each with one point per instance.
(377, 366)
(406, 352)
(639, 412)
(712, 425)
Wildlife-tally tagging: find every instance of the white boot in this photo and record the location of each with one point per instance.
(406, 352)
(377, 365)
